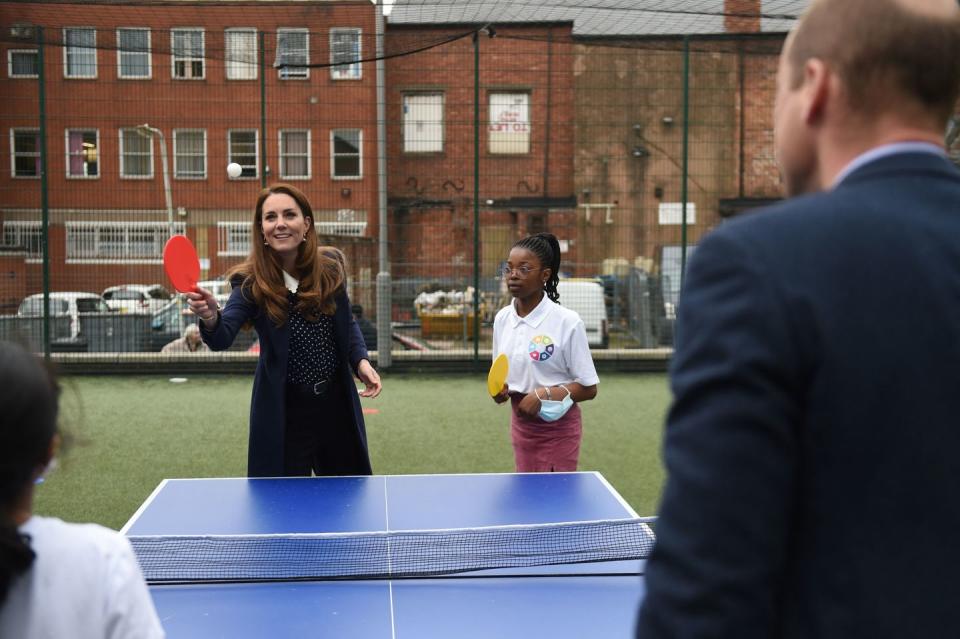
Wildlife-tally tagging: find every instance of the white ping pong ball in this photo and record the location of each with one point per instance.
(234, 170)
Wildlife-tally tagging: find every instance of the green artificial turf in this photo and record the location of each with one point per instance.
(128, 433)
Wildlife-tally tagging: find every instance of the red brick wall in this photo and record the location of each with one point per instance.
(213, 103)
(532, 59)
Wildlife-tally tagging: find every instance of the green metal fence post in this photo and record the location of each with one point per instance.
(44, 195)
(686, 155)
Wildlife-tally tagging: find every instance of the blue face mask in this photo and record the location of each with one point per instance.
(551, 411)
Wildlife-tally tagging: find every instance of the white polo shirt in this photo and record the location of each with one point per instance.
(546, 348)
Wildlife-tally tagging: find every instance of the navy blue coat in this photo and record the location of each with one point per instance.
(813, 447)
(267, 412)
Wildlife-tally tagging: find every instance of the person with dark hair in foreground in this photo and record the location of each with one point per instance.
(551, 369)
(811, 449)
(56, 579)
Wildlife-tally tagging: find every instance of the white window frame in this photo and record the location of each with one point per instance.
(283, 156)
(188, 60)
(20, 229)
(294, 74)
(495, 127)
(66, 141)
(346, 222)
(66, 54)
(18, 76)
(353, 70)
(237, 64)
(123, 175)
(14, 155)
(176, 170)
(93, 254)
(233, 239)
(333, 156)
(121, 52)
(442, 122)
(256, 153)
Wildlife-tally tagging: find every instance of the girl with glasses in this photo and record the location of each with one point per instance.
(551, 370)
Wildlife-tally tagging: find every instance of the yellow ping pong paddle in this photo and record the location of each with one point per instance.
(497, 376)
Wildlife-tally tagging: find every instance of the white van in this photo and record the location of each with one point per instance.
(64, 303)
(585, 297)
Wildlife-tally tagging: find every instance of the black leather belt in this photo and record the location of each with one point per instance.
(318, 390)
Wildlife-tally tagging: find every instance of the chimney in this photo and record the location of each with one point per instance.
(742, 16)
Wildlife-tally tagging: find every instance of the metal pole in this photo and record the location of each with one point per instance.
(167, 193)
(686, 155)
(263, 112)
(384, 283)
(476, 198)
(44, 199)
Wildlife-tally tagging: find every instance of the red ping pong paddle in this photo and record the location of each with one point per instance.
(181, 263)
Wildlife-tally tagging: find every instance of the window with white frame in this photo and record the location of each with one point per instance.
(345, 54)
(242, 148)
(25, 153)
(241, 59)
(423, 122)
(190, 153)
(136, 154)
(294, 153)
(187, 48)
(293, 54)
(117, 241)
(133, 53)
(509, 123)
(80, 52)
(233, 238)
(345, 149)
(23, 63)
(83, 153)
(24, 235)
(341, 222)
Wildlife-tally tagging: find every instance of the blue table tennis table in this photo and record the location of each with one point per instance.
(560, 601)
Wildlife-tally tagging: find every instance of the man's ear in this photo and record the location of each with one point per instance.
(818, 89)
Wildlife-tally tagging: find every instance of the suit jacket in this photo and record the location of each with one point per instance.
(813, 446)
(267, 410)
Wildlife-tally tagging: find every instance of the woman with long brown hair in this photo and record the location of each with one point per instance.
(305, 415)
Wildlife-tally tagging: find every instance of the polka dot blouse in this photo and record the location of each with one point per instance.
(313, 348)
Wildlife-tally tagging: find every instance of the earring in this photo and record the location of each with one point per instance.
(266, 243)
(304, 238)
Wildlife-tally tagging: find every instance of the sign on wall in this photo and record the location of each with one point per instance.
(509, 123)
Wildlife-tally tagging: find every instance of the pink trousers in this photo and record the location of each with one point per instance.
(543, 447)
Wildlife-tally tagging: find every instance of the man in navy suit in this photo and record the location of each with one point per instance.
(813, 447)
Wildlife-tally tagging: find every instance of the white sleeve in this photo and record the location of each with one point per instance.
(579, 361)
(130, 613)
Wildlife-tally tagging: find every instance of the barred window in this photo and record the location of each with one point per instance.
(80, 52)
(295, 154)
(118, 241)
(133, 53)
(345, 54)
(241, 54)
(187, 46)
(190, 153)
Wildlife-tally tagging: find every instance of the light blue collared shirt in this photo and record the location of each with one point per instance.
(884, 151)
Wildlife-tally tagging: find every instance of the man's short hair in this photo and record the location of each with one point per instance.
(884, 52)
(191, 329)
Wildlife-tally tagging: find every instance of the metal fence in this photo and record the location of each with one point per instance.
(427, 148)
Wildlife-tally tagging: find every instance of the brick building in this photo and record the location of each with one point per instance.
(204, 78)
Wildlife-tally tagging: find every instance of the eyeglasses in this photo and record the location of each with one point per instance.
(522, 271)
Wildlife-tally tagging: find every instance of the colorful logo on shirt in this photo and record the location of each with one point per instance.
(540, 348)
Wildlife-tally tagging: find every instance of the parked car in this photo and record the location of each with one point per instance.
(67, 303)
(585, 297)
(137, 298)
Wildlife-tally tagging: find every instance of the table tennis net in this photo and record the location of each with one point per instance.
(388, 555)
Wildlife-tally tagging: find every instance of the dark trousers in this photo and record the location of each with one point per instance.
(320, 435)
